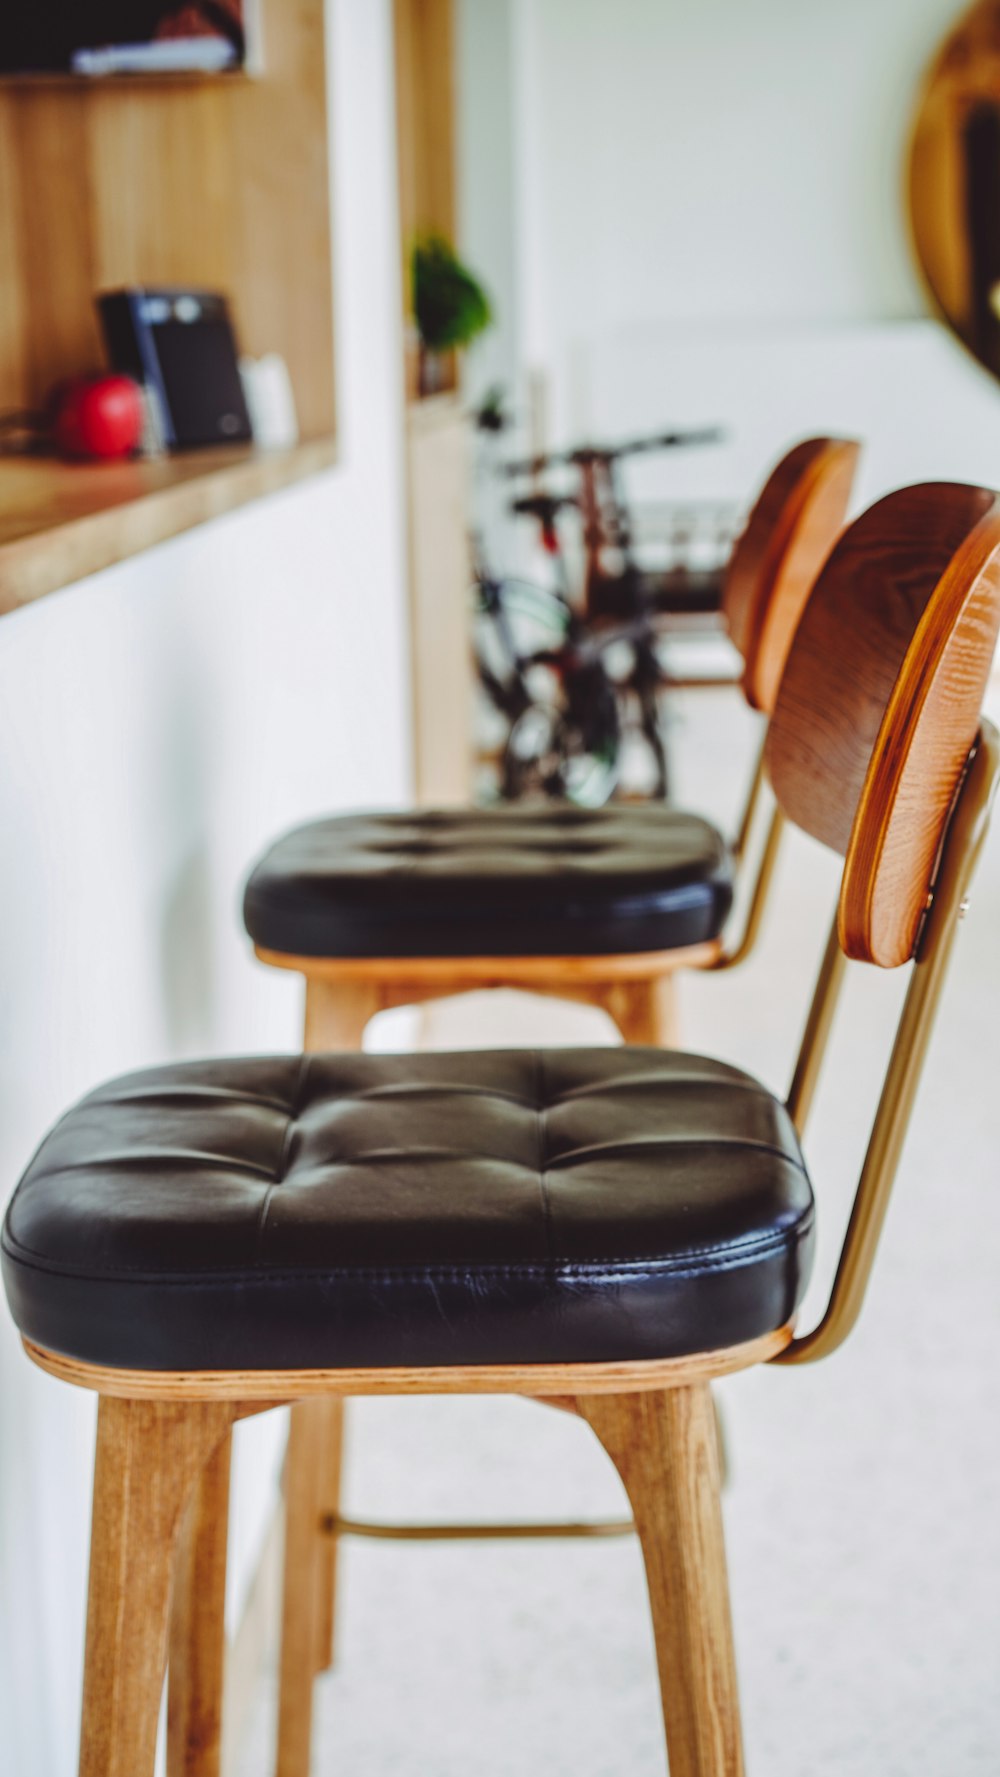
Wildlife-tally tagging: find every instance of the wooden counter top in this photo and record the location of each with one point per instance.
(61, 521)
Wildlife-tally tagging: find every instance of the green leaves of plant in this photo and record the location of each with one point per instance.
(450, 306)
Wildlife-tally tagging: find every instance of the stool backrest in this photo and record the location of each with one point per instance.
(880, 699)
(791, 530)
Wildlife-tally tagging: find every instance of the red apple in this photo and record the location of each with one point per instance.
(98, 416)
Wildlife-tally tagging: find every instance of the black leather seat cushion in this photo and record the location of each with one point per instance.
(559, 881)
(372, 1210)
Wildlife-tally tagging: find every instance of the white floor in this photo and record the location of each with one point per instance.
(862, 1513)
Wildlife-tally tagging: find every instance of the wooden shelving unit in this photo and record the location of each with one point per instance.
(219, 183)
(425, 137)
(436, 429)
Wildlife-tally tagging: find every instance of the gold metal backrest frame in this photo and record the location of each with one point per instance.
(963, 843)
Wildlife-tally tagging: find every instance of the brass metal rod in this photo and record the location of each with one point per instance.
(729, 959)
(963, 844)
(816, 1035)
(742, 839)
(425, 1533)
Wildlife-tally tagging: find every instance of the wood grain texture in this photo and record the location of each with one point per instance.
(665, 1447)
(644, 1011)
(15, 389)
(880, 699)
(338, 1008)
(811, 530)
(337, 1013)
(425, 146)
(331, 1466)
(198, 1626)
(920, 757)
(465, 974)
(637, 992)
(227, 187)
(425, 111)
(149, 1457)
(60, 522)
(252, 1391)
(336, 1016)
(300, 1596)
(791, 530)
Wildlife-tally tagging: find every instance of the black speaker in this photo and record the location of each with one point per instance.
(179, 345)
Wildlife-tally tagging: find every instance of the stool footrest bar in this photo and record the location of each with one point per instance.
(338, 1526)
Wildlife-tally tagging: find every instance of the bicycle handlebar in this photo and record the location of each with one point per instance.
(583, 455)
(544, 507)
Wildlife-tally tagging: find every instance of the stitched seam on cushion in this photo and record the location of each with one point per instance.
(654, 904)
(540, 1274)
(30, 1174)
(180, 1089)
(723, 1077)
(720, 1077)
(729, 1081)
(193, 1159)
(102, 1096)
(244, 1172)
(616, 1150)
(713, 1260)
(282, 1171)
(431, 1088)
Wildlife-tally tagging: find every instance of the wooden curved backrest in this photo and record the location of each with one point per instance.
(797, 518)
(880, 700)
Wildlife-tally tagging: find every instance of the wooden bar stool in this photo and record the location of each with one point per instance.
(597, 905)
(603, 1230)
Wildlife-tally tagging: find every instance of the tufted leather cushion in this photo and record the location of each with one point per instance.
(539, 881)
(371, 1210)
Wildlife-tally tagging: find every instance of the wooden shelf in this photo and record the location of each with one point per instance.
(214, 184)
(62, 521)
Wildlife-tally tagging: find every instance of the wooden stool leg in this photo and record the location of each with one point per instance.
(300, 1612)
(331, 1456)
(198, 1627)
(337, 1013)
(665, 1448)
(149, 1456)
(644, 1011)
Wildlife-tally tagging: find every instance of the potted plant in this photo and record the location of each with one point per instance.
(450, 308)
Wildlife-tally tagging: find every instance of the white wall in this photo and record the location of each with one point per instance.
(159, 722)
(486, 125)
(720, 160)
(722, 178)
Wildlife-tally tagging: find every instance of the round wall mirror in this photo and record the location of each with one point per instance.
(954, 181)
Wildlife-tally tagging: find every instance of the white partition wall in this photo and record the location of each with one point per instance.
(709, 225)
(157, 724)
(714, 162)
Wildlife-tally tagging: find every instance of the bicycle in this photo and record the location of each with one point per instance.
(622, 603)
